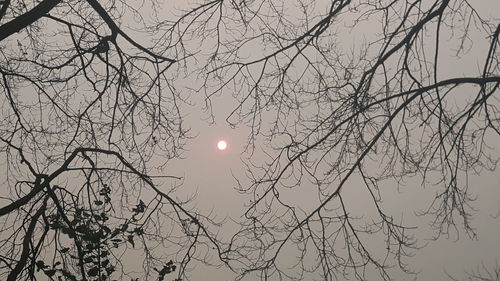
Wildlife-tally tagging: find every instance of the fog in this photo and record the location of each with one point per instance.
(267, 125)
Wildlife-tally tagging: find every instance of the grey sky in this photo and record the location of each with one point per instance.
(212, 176)
(454, 254)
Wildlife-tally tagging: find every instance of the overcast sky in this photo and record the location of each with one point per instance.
(210, 172)
(213, 175)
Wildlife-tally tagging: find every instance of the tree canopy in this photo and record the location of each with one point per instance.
(345, 98)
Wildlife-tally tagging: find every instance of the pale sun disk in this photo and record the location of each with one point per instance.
(221, 145)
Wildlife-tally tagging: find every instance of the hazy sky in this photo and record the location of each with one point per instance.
(212, 175)
(214, 183)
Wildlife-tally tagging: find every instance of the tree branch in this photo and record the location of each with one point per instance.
(27, 18)
(26, 245)
(116, 30)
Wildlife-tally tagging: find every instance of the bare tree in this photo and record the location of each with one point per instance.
(481, 273)
(88, 103)
(352, 93)
(344, 93)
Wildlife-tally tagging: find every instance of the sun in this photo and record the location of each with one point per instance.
(221, 145)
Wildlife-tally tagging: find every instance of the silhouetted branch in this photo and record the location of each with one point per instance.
(21, 22)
